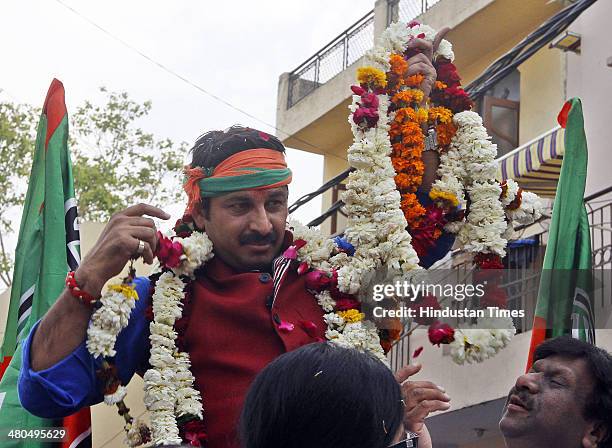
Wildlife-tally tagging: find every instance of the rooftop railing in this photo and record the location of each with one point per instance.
(407, 10)
(347, 48)
(332, 59)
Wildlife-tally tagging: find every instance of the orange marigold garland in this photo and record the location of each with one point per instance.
(445, 131)
(406, 135)
(425, 224)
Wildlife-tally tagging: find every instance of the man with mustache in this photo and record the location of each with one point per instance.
(564, 401)
(240, 298)
(247, 307)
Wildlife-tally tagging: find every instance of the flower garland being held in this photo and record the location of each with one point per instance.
(336, 272)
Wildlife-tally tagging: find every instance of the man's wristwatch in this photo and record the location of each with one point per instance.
(411, 441)
(431, 139)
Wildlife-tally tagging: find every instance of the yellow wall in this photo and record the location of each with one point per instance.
(106, 424)
(542, 92)
(469, 72)
(5, 298)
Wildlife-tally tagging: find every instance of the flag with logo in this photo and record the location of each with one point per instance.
(565, 294)
(47, 248)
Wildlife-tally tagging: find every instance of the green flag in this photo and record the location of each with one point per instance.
(47, 248)
(564, 298)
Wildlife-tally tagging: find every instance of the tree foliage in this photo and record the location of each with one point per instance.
(17, 140)
(115, 162)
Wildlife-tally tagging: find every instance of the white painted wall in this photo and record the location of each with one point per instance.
(589, 78)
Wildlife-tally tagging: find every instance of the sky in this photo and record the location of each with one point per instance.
(235, 50)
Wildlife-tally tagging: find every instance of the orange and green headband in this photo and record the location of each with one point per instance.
(253, 169)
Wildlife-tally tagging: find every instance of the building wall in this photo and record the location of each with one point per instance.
(469, 385)
(5, 298)
(107, 425)
(542, 92)
(589, 78)
(487, 442)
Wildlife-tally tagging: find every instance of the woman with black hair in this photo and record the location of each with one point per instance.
(324, 396)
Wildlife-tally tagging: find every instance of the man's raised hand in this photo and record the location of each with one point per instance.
(420, 399)
(422, 62)
(117, 244)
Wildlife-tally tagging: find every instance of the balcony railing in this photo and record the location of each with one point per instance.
(523, 262)
(332, 59)
(347, 48)
(407, 10)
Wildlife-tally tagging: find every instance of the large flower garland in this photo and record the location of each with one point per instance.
(175, 406)
(170, 394)
(380, 199)
(467, 166)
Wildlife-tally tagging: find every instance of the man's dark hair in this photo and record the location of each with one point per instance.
(598, 406)
(213, 147)
(323, 396)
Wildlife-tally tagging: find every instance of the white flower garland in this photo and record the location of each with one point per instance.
(485, 223)
(472, 152)
(469, 164)
(474, 345)
(160, 381)
(169, 384)
(361, 335)
(512, 189)
(105, 325)
(134, 432)
(107, 321)
(198, 250)
(119, 395)
(528, 211)
(451, 172)
(376, 228)
(376, 225)
(318, 250)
